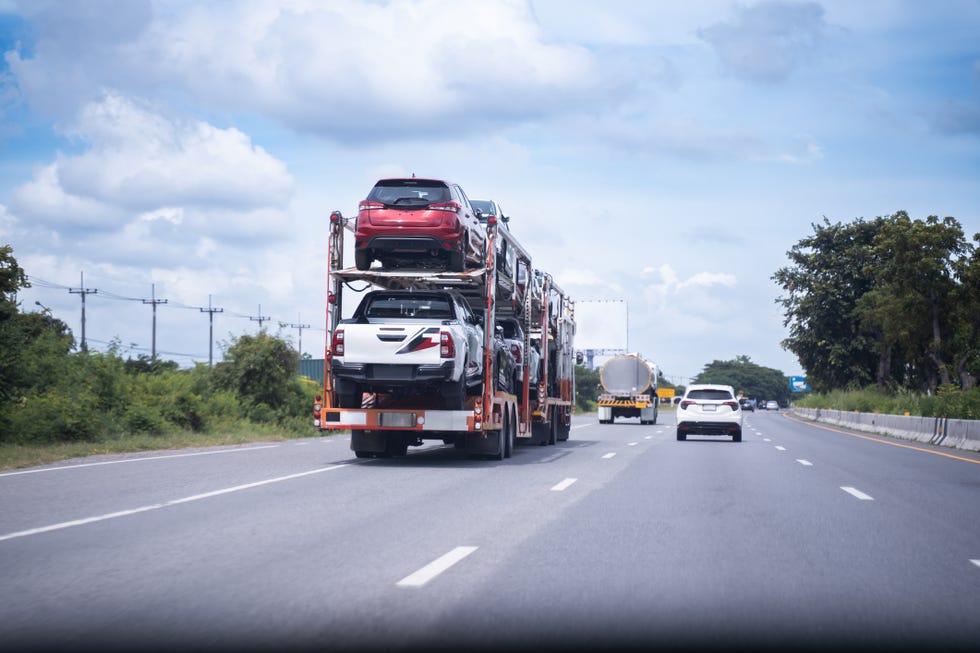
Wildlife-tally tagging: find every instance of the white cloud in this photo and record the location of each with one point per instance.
(765, 42)
(140, 165)
(347, 69)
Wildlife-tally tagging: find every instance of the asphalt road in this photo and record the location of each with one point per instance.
(800, 537)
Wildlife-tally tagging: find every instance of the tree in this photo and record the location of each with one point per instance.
(747, 378)
(831, 270)
(261, 370)
(910, 304)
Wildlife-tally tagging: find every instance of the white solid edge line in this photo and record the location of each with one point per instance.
(436, 567)
(563, 485)
(157, 506)
(857, 493)
(608, 455)
(136, 460)
(582, 426)
(805, 463)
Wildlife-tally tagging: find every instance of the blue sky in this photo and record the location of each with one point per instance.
(663, 154)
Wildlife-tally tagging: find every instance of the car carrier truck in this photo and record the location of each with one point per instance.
(630, 390)
(394, 380)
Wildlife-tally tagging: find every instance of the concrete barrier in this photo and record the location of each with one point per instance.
(953, 433)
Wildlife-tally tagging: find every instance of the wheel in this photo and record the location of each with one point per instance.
(363, 454)
(350, 399)
(454, 394)
(501, 443)
(681, 437)
(362, 259)
(563, 429)
(457, 258)
(737, 436)
(509, 437)
(553, 428)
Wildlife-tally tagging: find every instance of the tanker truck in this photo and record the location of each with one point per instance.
(629, 386)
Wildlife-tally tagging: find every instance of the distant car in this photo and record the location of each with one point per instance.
(709, 409)
(747, 405)
(514, 337)
(486, 209)
(418, 222)
(761, 405)
(772, 405)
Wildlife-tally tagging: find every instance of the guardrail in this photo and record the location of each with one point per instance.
(954, 433)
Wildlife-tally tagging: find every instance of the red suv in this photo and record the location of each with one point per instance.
(418, 222)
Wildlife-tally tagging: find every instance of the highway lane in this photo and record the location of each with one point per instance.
(620, 535)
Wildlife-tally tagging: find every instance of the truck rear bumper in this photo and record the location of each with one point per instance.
(393, 375)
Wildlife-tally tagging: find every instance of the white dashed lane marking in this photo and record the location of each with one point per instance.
(608, 455)
(563, 485)
(857, 493)
(779, 448)
(436, 567)
(805, 463)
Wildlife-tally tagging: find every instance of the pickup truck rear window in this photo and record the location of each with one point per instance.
(409, 307)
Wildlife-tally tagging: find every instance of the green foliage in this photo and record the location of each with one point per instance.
(747, 378)
(587, 388)
(893, 302)
(949, 401)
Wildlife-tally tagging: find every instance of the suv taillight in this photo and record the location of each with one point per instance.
(732, 404)
(337, 346)
(514, 349)
(367, 206)
(686, 403)
(447, 348)
(446, 206)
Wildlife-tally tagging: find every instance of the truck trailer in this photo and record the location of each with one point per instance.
(629, 386)
(386, 412)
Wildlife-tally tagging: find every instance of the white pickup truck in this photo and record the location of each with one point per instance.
(408, 343)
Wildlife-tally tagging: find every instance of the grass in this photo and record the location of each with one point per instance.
(16, 456)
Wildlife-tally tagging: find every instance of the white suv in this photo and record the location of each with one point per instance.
(709, 409)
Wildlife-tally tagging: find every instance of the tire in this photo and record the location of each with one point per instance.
(363, 454)
(362, 259)
(681, 437)
(454, 394)
(553, 428)
(509, 437)
(737, 436)
(349, 399)
(457, 258)
(563, 430)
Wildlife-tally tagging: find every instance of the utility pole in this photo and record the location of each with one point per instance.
(260, 319)
(82, 290)
(154, 301)
(300, 327)
(211, 311)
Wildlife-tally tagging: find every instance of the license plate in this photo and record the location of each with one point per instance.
(708, 408)
(401, 420)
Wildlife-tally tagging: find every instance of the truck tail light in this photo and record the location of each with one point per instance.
(447, 348)
(445, 206)
(514, 349)
(338, 343)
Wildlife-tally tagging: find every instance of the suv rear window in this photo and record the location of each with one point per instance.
(409, 192)
(714, 395)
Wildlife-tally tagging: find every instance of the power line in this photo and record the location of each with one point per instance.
(300, 327)
(82, 290)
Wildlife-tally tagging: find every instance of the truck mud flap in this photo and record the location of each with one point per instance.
(478, 445)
